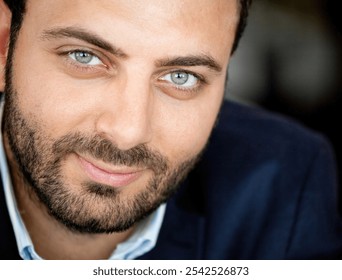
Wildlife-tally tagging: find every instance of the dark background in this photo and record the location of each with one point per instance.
(290, 62)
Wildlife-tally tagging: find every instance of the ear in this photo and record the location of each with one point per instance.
(5, 25)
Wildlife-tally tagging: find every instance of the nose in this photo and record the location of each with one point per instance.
(127, 118)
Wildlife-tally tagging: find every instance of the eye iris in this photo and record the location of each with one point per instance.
(179, 78)
(83, 57)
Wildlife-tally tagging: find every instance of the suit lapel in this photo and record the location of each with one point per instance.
(180, 237)
(182, 232)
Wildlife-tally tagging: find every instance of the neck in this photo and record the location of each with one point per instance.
(52, 240)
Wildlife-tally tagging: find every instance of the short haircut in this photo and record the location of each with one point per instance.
(17, 8)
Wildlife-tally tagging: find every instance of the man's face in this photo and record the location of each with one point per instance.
(110, 102)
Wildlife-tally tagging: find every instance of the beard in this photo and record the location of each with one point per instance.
(88, 207)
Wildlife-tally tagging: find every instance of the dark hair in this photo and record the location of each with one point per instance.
(17, 8)
(244, 6)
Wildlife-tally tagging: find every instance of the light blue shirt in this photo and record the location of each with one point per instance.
(140, 242)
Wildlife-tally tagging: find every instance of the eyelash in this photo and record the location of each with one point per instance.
(79, 66)
(201, 81)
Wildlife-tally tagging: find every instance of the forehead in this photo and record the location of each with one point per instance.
(191, 23)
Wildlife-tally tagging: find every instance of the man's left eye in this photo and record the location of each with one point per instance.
(84, 57)
(181, 79)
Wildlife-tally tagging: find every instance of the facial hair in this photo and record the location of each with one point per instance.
(90, 207)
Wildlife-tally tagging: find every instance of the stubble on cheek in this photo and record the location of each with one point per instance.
(87, 207)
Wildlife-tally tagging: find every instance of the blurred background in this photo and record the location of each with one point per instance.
(290, 61)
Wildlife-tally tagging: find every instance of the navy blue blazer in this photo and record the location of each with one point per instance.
(265, 189)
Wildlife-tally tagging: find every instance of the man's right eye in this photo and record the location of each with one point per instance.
(182, 79)
(85, 57)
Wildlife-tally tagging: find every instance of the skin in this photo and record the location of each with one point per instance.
(125, 96)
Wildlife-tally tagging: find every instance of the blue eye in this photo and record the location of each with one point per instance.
(181, 79)
(84, 57)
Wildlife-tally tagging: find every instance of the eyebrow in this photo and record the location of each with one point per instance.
(83, 35)
(192, 60)
(93, 39)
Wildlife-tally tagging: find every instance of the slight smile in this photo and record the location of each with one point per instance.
(119, 177)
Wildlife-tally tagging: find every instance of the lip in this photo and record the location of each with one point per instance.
(120, 177)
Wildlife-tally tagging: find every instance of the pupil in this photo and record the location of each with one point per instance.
(83, 57)
(179, 78)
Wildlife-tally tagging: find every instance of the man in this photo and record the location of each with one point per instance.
(109, 104)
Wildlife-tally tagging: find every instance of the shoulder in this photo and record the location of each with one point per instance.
(262, 177)
(258, 157)
(266, 148)
(259, 128)
(254, 151)
(248, 135)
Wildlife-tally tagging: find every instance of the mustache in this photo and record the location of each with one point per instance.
(102, 149)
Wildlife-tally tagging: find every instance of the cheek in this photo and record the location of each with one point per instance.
(37, 92)
(48, 96)
(184, 130)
